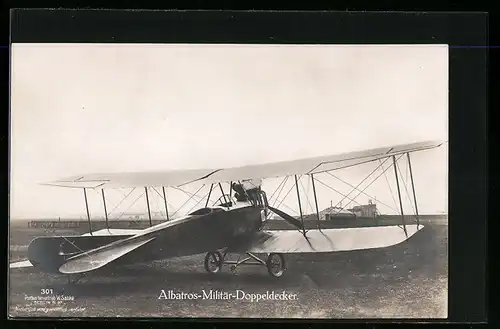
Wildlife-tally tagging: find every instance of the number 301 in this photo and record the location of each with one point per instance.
(46, 291)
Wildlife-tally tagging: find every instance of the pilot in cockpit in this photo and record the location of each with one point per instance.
(239, 194)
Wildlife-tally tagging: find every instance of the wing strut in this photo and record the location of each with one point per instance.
(300, 206)
(399, 194)
(147, 202)
(87, 207)
(315, 201)
(413, 187)
(223, 195)
(209, 194)
(165, 199)
(105, 210)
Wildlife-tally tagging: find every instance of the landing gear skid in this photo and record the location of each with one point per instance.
(275, 263)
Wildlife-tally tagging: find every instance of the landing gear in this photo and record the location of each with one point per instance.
(275, 263)
(213, 262)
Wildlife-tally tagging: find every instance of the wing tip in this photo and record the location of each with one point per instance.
(438, 142)
(74, 184)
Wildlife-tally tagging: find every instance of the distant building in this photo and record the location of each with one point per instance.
(368, 210)
(332, 213)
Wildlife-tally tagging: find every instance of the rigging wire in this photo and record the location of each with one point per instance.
(305, 193)
(83, 252)
(272, 195)
(123, 193)
(157, 207)
(357, 186)
(392, 193)
(197, 203)
(406, 189)
(169, 205)
(331, 188)
(309, 191)
(407, 168)
(188, 193)
(161, 196)
(286, 195)
(373, 181)
(371, 197)
(109, 213)
(281, 190)
(123, 213)
(188, 200)
(277, 196)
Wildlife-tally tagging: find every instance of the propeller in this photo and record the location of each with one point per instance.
(294, 221)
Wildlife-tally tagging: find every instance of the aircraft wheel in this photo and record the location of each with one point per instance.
(213, 262)
(276, 265)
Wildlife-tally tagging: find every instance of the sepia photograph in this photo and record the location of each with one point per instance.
(228, 181)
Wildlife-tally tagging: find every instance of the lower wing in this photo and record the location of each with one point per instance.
(327, 240)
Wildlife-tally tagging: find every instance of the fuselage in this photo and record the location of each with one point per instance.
(207, 229)
(196, 234)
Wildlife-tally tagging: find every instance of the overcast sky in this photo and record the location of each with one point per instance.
(83, 108)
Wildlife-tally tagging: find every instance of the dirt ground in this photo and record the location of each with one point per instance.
(408, 280)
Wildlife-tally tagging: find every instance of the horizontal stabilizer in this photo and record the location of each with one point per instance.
(113, 232)
(21, 264)
(97, 258)
(330, 240)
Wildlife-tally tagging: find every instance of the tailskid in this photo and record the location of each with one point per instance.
(274, 262)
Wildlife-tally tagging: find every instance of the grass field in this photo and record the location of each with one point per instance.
(408, 280)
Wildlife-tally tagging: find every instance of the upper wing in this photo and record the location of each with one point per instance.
(327, 240)
(313, 165)
(133, 179)
(269, 170)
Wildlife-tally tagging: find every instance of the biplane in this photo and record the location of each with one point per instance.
(234, 224)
